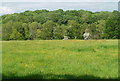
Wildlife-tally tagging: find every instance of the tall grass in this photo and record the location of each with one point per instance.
(60, 59)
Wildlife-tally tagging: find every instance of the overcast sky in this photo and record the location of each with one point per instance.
(59, 0)
(17, 6)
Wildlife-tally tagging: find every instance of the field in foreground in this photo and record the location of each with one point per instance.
(53, 59)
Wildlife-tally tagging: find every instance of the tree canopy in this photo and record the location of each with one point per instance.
(48, 25)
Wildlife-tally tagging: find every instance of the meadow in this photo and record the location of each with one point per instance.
(60, 59)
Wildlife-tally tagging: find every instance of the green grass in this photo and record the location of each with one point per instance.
(60, 59)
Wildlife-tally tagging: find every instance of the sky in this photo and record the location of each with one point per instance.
(59, 0)
(17, 6)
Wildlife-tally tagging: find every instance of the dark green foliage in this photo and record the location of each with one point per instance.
(59, 32)
(112, 29)
(44, 24)
(6, 30)
(47, 30)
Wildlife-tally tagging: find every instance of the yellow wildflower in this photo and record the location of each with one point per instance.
(26, 65)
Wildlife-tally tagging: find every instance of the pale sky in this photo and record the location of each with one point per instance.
(15, 6)
(59, 0)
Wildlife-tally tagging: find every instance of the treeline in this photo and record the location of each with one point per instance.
(48, 25)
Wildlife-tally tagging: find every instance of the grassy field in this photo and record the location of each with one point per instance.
(60, 59)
